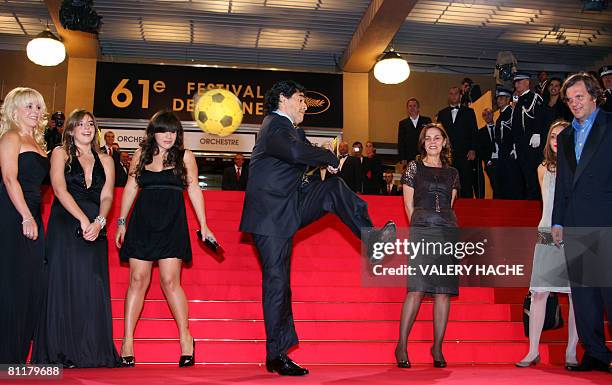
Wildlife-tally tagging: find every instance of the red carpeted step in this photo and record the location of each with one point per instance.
(333, 352)
(240, 329)
(322, 311)
(300, 293)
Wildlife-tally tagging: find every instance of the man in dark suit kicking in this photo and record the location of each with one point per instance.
(582, 214)
(460, 124)
(235, 177)
(409, 130)
(279, 200)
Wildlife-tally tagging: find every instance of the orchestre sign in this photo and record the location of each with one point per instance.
(193, 140)
(137, 91)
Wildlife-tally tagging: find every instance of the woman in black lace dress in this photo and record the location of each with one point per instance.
(430, 188)
(77, 327)
(157, 230)
(24, 166)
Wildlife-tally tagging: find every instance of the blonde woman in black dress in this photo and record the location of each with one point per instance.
(24, 165)
(157, 230)
(430, 186)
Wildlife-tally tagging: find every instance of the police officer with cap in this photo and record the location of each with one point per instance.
(605, 74)
(508, 182)
(529, 132)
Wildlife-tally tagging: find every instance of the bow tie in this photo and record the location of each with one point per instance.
(454, 108)
(343, 156)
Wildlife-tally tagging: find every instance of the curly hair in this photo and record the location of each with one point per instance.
(17, 98)
(550, 157)
(163, 121)
(68, 136)
(286, 88)
(445, 155)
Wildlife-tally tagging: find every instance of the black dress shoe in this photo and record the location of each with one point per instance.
(385, 234)
(284, 366)
(186, 361)
(589, 363)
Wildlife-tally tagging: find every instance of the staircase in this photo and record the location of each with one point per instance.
(338, 321)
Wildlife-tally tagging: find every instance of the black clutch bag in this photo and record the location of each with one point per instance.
(552, 319)
(101, 234)
(211, 244)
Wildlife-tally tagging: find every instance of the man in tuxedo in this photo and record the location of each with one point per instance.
(280, 199)
(487, 153)
(350, 168)
(460, 124)
(508, 180)
(235, 177)
(409, 130)
(122, 169)
(529, 131)
(389, 188)
(605, 74)
(581, 214)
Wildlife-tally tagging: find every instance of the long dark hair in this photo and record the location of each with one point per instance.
(550, 157)
(445, 155)
(68, 136)
(163, 121)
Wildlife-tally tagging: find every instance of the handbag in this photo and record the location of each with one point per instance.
(552, 319)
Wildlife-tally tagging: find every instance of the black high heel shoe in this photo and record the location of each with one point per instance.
(437, 363)
(403, 364)
(185, 361)
(127, 361)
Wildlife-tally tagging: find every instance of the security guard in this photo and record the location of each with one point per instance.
(605, 74)
(529, 132)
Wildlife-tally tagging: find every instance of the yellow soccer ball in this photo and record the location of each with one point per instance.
(218, 112)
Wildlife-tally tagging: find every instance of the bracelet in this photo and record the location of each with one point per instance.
(101, 221)
(30, 219)
(121, 222)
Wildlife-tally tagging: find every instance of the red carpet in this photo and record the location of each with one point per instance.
(331, 375)
(338, 321)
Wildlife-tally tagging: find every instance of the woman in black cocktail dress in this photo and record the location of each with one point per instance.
(430, 188)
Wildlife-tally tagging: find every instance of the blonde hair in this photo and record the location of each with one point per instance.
(68, 139)
(17, 98)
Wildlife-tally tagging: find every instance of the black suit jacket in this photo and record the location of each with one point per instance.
(408, 137)
(229, 181)
(503, 126)
(394, 190)
(583, 190)
(352, 173)
(278, 161)
(121, 176)
(462, 132)
(486, 147)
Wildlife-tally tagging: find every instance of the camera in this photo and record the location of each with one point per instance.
(59, 119)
